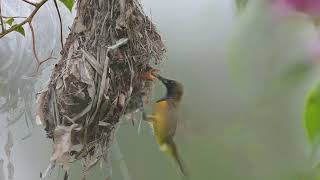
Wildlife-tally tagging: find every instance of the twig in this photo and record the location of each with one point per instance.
(13, 17)
(34, 43)
(1, 20)
(34, 46)
(27, 20)
(122, 18)
(31, 3)
(48, 171)
(47, 59)
(39, 62)
(119, 43)
(60, 20)
(93, 62)
(82, 113)
(104, 86)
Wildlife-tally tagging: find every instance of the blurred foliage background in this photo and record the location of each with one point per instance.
(246, 76)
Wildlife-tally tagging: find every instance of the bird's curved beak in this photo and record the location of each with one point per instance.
(162, 79)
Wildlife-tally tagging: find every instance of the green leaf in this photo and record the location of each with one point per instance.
(312, 114)
(68, 3)
(241, 4)
(20, 30)
(10, 21)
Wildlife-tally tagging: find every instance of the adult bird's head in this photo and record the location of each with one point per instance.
(174, 88)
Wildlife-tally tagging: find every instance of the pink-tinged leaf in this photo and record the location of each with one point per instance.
(309, 7)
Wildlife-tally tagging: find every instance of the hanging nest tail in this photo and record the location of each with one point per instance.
(98, 79)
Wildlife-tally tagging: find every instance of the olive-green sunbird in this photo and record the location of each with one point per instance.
(164, 119)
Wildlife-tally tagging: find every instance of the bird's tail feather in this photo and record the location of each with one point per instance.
(171, 149)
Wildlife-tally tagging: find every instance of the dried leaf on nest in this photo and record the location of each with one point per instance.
(93, 62)
(87, 77)
(121, 100)
(91, 161)
(40, 108)
(48, 171)
(119, 43)
(63, 144)
(104, 124)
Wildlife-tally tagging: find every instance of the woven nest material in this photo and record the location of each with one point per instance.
(98, 79)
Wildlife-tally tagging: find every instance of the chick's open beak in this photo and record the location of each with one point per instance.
(150, 74)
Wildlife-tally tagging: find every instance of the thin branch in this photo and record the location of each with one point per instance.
(31, 3)
(1, 19)
(48, 58)
(39, 62)
(34, 43)
(2, 25)
(59, 15)
(27, 20)
(13, 17)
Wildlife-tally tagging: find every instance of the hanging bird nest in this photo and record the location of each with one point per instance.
(98, 79)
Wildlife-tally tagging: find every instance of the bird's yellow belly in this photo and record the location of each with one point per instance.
(161, 123)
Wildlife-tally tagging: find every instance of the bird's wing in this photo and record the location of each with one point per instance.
(172, 118)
